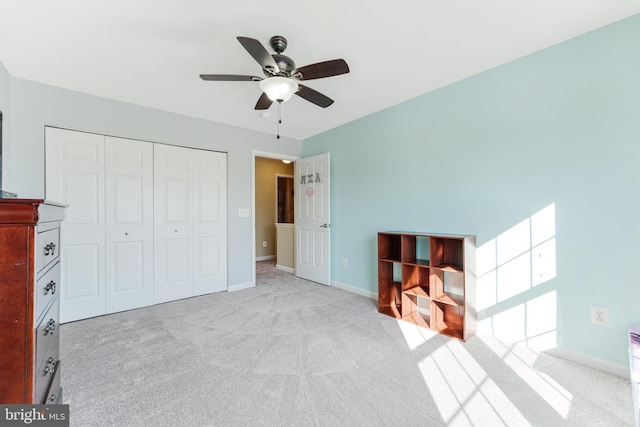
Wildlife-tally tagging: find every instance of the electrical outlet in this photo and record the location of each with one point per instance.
(344, 263)
(264, 243)
(600, 316)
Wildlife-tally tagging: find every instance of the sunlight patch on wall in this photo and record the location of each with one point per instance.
(532, 323)
(509, 267)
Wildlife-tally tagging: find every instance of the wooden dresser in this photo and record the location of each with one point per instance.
(29, 289)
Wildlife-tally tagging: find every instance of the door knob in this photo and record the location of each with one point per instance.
(325, 225)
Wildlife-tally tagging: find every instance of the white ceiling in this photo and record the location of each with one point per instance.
(150, 52)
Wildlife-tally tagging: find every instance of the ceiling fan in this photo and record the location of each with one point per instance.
(282, 77)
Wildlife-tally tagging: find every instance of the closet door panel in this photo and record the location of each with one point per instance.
(75, 175)
(129, 223)
(147, 223)
(173, 216)
(210, 221)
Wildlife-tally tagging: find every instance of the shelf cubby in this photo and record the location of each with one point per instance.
(447, 286)
(447, 254)
(448, 319)
(415, 250)
(389, 247)
(414, 312)
(423, 279)
(389, 290)
(413, 275)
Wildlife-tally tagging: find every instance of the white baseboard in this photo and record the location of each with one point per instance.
(354, 290)
(240, 286)
(591, 362)
(283, 268)
(265, 258)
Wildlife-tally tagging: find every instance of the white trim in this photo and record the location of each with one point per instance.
(265, 258)
(254, 154)
(240, 286)
(354, 290)
(591, 362)
(283, 268)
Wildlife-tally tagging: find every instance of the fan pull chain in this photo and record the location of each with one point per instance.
(279, 119)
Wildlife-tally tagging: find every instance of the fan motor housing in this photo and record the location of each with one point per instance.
(278, 44)
(285, 64)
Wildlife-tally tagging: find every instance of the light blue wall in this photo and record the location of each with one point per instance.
(561, 126)
(34, 105)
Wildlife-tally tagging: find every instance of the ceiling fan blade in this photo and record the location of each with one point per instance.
(263, 102)
(259, 53)
(319, 70)
(229, 78)
(314, 96)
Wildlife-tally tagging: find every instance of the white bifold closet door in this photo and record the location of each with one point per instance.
(129, 224)
(190, 196)
(146, 222)
(75, 175)
(108, 231)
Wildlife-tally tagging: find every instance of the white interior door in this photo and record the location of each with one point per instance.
(209, 221)
(129, 222)
(173, 215)
(75, 176)
(313, 220)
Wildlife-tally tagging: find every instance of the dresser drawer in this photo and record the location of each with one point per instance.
(53, 394)
(47, 247)
(47, 288)
(47, 333)
(43, 376)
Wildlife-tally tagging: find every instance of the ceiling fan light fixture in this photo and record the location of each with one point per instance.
(279, 88)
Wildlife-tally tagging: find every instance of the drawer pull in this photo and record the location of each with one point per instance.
(51, 286)
(50, 249)
(51, 327)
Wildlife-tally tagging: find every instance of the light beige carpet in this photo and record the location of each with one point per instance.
(294, 353)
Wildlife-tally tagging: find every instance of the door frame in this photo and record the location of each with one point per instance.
(268, 155)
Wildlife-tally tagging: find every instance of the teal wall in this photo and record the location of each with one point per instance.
(559, 128)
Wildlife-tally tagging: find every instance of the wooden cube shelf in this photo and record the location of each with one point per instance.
(437, 287)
